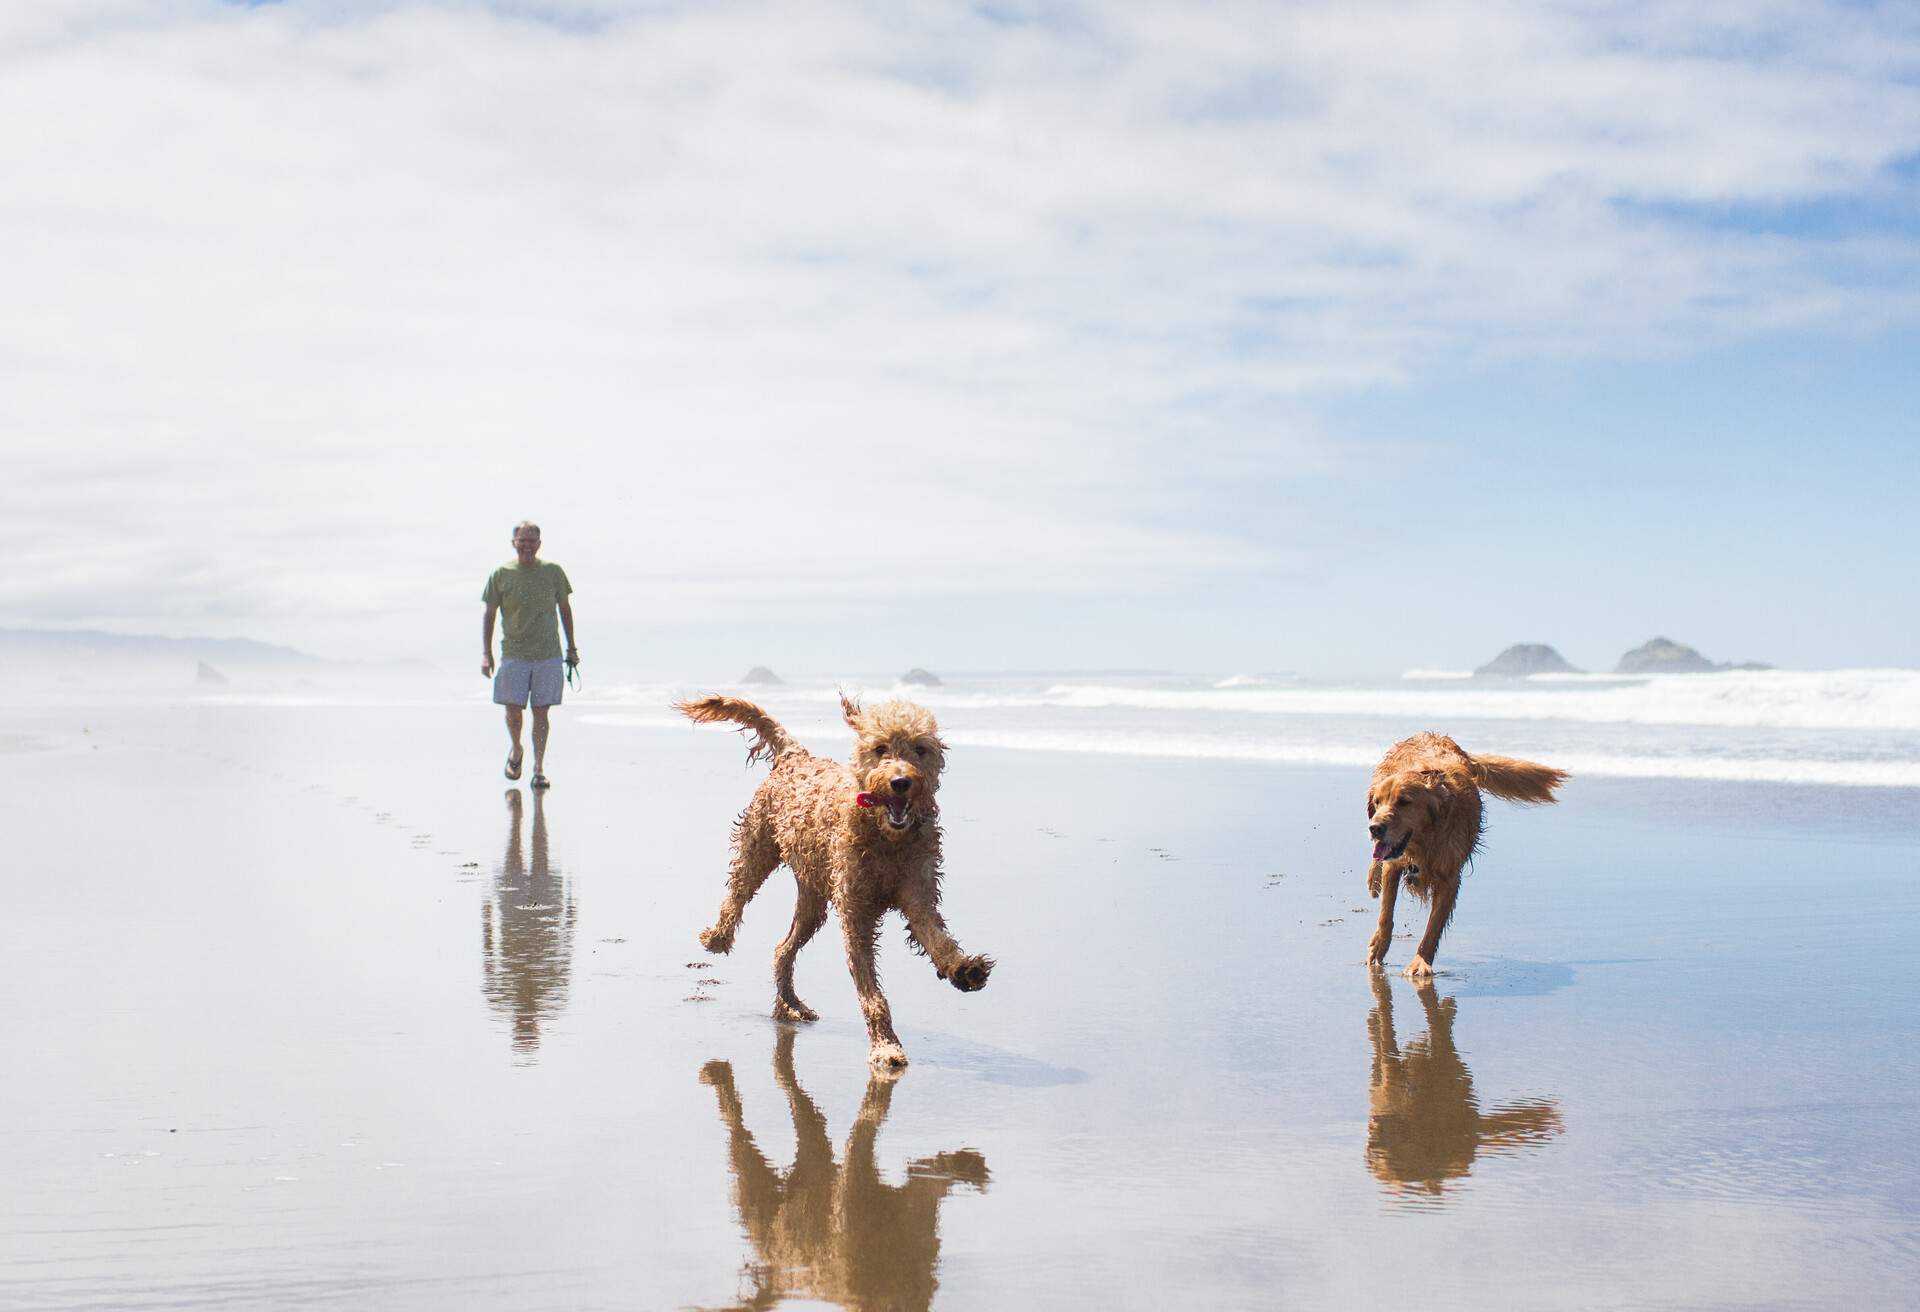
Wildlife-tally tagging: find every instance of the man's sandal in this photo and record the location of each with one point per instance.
(513, 762)
(539, 781)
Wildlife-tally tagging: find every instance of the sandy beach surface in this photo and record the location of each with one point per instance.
(305, 1005)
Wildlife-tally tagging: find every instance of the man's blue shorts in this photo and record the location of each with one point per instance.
(518, 682)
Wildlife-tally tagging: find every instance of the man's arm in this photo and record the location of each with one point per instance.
(486, 639)
(566, 622)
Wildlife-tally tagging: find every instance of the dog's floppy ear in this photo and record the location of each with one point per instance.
(850, 711)
(1438, 795)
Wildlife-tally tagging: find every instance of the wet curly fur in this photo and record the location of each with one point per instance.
(863, 837)
(1423, 813)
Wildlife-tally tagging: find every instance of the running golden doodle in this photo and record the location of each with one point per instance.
(1423, 813)
(863, 837)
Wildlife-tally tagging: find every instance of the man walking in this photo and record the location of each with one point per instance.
(526, 593)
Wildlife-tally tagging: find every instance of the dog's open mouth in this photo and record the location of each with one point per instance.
(899, 811)
(1385, 851)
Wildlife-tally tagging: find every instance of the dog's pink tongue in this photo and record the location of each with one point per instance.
(1379, 849)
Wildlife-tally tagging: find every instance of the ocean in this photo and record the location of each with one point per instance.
(1846, 728)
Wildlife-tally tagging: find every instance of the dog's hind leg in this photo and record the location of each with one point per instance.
(809, 913)
(755, 854)
(860, 928)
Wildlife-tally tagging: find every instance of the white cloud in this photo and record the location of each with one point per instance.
(823, 301)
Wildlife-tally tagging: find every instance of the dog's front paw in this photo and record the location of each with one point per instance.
(797, 1011)
(1418, 968)
(717, 940)
(970, 975)
(1377, 947)
(887, 1057)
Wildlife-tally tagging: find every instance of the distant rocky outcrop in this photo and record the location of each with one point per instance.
(762, 676)
(919, 678)
(1524, 658)
(156, 663)
(1665, 656)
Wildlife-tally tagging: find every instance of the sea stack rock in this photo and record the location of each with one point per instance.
(1522, 659)
(1663, 656)
(761, 676)
(919, 678)
(208, 677)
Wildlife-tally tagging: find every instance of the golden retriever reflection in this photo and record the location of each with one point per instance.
(836, 1231)
(526, 934)
(1425, 1126)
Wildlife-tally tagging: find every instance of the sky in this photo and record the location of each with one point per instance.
(1329, 338)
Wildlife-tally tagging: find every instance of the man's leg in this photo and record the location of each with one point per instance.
(539, 735)
(547, 686)
(510, 693)
(513, 725)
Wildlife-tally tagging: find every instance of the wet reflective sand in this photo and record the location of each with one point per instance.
(301, 1009)
(526, 929)
(832, 1229)
(1425, 1126)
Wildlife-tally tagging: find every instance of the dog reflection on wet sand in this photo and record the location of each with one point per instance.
(526, 933)
(1425, 1125)
(835, 1231)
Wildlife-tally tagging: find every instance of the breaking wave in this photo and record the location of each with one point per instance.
(1839, 727)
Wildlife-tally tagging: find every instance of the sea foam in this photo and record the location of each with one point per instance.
(1776, 699)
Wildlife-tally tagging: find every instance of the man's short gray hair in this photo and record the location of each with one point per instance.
(526, 523)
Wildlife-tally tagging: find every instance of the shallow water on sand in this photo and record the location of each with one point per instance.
(307, 1006)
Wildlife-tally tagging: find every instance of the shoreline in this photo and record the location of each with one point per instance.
(321, 1012)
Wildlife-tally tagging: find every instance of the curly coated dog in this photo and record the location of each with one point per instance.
(863, 837)
(1423, 814)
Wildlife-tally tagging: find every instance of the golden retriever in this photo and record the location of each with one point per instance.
(1423, 814)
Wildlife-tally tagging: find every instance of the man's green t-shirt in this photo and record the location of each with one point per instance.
(527, 598)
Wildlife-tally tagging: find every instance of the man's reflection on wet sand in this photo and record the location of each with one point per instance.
(836, 1231)
(526, 933)
(1425, 1126)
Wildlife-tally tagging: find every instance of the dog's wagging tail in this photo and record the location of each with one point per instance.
(1515, 780)
(769, 739)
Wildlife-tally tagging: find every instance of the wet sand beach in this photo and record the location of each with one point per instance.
(306, 1006)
